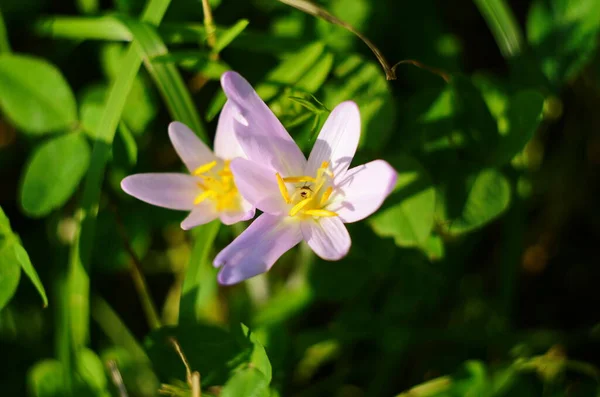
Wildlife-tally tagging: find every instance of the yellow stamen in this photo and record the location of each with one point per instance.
(203, 196)
(297, 179)
(299, 206)
(325, 196)
(324, 213)
(283, 189)
(205, 168)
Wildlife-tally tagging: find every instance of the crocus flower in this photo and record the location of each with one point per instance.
(208, 191)
(301, 200)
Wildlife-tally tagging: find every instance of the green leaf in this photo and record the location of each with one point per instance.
(286, 74)
(53, 174)
(166, 77)
(408, 213)
(503, 25)
(522, 119)
(363, 82)
(46, 379)
(225, 38)
(10, 272)
(125, 149)
(248, 382)
(564, 35)
(258, 358)
(35, 95)
(12, 252)
(210, 350)
(290, 70)
(487, 196)
(91, 372)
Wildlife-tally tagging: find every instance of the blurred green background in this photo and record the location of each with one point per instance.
(478, 277)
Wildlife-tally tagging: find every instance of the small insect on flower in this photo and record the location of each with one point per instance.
(301, 200)
(209, 190)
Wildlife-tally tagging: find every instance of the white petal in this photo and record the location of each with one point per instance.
(255, 250)
(258, 185)
(328, 237)
(362, 189)
(174, 191)
(337, 141)
(192, 151)
(227, 146)
(259, 132)
(201, 214)
(245, 213)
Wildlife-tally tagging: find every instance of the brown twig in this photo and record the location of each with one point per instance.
(390, 71)
(193, 378)
(116, 377)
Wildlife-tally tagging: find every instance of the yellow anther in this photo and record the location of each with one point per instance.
(295, 209)
(283, 189)
(326, 196)
(203, 196)
(322, 213)
(325, 164)
(205, 168)
(297, 179)
(207, 179)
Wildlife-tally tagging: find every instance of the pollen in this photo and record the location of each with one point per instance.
(310, 195)
(217, 185)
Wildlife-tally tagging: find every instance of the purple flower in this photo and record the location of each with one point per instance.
(209, 191)
(301, 200)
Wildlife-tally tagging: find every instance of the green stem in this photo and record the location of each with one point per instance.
(4, 43)
(209, 23)
(199, 285)
(504, 27)
(78, 278)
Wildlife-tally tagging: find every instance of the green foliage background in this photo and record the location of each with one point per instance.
(476, 278)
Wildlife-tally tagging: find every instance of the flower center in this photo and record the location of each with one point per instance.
(217, 185)
(310, 195)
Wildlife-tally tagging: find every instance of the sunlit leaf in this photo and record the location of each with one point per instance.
(10, 272)
(246, 382)
(487, 196)
(364, 82)
(225, 38)
(47, 183)
(46, 379)
(12, 253)
(35, 95)
(409, 212)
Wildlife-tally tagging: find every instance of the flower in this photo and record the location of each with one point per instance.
(209, 191)
(301, 200)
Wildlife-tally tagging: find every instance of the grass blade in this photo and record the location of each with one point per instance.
(166, 77)
(78, 278)
(503, 25)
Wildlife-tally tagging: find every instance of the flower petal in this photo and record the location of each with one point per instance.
(227, 145)
(192, 151)
(255, 250)
(174, 191)
(328, 237)
(362, 189)
(258, 184)
(337, 141)
(246, 212)
(201, 214)
(259, 132)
